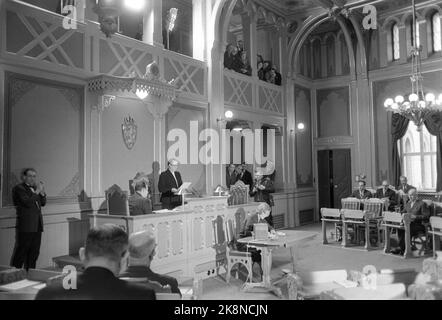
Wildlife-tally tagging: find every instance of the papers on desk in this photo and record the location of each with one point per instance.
(19, 285)
(346, 283)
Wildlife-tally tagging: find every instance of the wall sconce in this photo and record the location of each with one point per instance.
(300, 127)
(227, 116)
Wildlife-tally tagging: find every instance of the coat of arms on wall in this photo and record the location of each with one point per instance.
(129, 129)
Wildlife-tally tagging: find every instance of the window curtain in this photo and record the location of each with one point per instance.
(434, 127)
(399, 125)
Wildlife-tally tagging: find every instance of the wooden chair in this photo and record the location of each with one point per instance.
(356, 218)
(373, 209)
(117, 201)
(239, 194)
(330, 216)
(235, 257)
(351, 203)
(436, 233)
(397, 221)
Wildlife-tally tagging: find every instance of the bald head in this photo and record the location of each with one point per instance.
(142, 245)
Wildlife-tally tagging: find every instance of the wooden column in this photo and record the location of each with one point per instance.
(153, 24)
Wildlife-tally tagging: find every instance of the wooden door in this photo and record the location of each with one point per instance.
(324, 179)
(341, 175)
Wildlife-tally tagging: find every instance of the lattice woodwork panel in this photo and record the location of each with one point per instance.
(237, 91)
(36, 38)
(163, 240)
(122, 60)
(270, 99)
(190, 78)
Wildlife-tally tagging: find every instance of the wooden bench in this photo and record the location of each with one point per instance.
(397, 221)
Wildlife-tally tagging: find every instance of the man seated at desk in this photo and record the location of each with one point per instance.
(141, 252)
(362, 193)
(139, 202)
(418, 213)
(168, 184)
(402, 191)
(386, 193)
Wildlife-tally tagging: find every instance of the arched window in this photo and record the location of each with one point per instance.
(418, 153)
(436, 32)
(395, 47)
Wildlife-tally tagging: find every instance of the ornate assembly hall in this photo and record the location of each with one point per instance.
(221, 150)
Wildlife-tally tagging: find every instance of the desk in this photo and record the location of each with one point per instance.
(291, 239)
(185, 238)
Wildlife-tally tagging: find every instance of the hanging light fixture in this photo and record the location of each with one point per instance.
(418, 106)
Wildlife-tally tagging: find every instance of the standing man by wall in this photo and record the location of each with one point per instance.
(168, 184)
(29, 197)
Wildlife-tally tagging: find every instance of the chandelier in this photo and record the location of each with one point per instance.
(417, 106)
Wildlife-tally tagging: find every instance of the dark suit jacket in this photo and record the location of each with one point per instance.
(390, 194)
(146, 272)
(97, 284)
(139, 205)
(419, 209)
(165, 185)
(28, 205)
(357, 194)
(231, 179)
(247, 178)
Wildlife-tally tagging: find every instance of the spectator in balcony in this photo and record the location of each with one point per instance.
(240, 46)
(244, 66)
(271, 76)
(261, 74)
(230, 57)
(278, 77)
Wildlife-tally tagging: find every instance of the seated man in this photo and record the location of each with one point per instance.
(141, 251)
(362, 193)
(418, 212)
(402, 191)
(104, 255)
(386, 193)
(139, 202)
(261, 216)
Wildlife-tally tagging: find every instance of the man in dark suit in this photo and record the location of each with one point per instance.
(244, 175)
(386, 193)
(28, 198)
(418, 213)
(231, 176)
(141, 253)
(402, 191)
(104, 257)
(139, 202)
(362, 193)
(168, 184)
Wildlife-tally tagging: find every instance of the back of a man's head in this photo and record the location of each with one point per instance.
(141, 246)
(108, 242)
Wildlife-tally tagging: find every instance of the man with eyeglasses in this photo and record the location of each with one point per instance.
(29, 197)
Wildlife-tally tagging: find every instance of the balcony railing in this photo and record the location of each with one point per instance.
(35, 37)
(251, 93)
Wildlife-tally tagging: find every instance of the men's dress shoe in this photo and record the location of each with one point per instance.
(396, 251)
